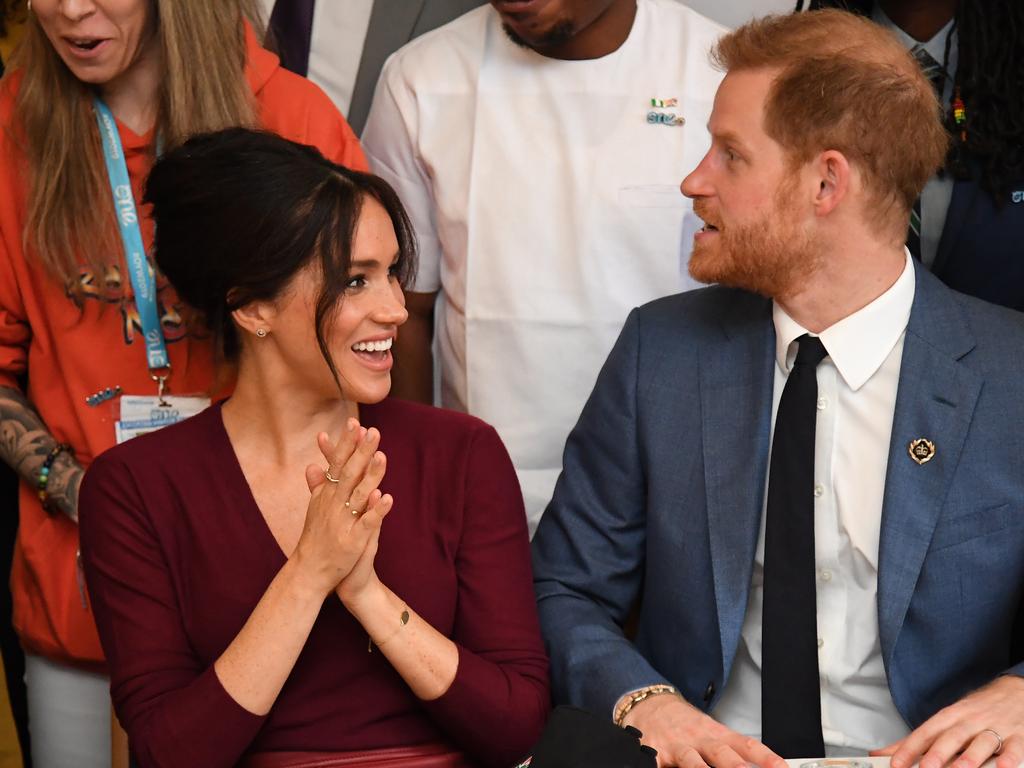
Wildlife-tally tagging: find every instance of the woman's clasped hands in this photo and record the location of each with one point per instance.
(346, 508)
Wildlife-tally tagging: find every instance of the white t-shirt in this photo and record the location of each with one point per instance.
(547, 205)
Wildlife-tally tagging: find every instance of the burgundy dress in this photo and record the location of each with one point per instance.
(177, 554)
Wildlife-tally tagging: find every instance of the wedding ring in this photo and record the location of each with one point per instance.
(999, 746)
(330, 478)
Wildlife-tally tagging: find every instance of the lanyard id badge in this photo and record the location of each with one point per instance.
(142, 277)
(140, 414)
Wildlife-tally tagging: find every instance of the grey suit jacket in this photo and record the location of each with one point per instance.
(661, 497)
(393, 23)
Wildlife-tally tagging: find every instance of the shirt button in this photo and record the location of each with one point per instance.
(822, 403)
(819, 489)
(826, 575)
(821, 643)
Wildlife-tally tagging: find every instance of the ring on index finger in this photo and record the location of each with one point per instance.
(330, 477)
(999, 746)
(350, 508)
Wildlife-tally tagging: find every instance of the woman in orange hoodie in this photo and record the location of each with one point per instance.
(94, 345)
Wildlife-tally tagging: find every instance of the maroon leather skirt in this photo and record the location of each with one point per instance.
(422, 756)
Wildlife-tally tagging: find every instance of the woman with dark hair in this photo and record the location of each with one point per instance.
(968, 226)
(262, 589)
(92, 93)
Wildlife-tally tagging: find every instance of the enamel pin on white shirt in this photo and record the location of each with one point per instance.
(655, 116)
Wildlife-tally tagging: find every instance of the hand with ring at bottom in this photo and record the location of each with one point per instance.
(345, 509)
(986, 723)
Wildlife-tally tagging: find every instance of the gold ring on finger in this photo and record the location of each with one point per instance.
(331, 478)
(350, 508)
(999, 746)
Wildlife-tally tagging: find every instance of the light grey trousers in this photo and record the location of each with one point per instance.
(68, 715)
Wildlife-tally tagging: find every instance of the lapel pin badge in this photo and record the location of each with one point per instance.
(654, 117)
(103, 395)
(665, 118)
(922, 451)
(1018, 196)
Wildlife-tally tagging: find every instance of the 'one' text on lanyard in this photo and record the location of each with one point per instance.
(142, 278)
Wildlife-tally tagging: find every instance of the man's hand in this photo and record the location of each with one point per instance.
(968, 728)
(686, 737)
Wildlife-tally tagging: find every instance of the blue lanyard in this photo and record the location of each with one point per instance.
(142, 277)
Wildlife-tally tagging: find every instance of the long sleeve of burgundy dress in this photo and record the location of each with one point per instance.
(177, 555)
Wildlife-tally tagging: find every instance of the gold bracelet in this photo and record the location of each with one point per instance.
(639, 695)
(404, 619)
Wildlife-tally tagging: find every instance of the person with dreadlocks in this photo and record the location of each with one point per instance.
(968, 227)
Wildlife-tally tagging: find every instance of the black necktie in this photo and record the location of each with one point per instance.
(291, 23)
(790, 686)
(936, 76)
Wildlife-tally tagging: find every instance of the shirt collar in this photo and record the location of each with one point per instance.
(859, 343)
(936, 47)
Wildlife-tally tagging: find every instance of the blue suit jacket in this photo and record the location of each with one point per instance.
(981, 251)
(661, 497)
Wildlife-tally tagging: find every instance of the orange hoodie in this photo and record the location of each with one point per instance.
(71, 352)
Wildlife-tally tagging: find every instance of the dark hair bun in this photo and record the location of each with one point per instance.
(239, 212)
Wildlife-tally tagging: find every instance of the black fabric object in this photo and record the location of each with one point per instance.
(291, 24)
(790, 682)
(10, 645)
(575, 738)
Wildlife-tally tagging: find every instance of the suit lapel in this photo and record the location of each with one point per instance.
(964, 194)
(935, 401)
(391, 26)
(736, 378)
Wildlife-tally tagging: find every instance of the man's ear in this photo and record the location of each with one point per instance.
(834, 180)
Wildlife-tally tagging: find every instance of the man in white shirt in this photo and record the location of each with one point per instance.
(537, 145)
(809, 482)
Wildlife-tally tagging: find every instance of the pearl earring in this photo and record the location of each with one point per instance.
(261, 332)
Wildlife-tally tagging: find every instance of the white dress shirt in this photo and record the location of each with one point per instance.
(339, 33)
(857, 386)
(336, 46)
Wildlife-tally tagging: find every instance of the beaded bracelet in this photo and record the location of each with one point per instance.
(44, 474)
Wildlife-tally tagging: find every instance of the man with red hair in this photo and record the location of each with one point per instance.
(807, 479)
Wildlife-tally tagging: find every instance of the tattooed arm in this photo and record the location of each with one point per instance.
(24, 444)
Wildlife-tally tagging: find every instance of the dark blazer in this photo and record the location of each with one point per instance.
(661, 497)
(393, 23)
(981, 251)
